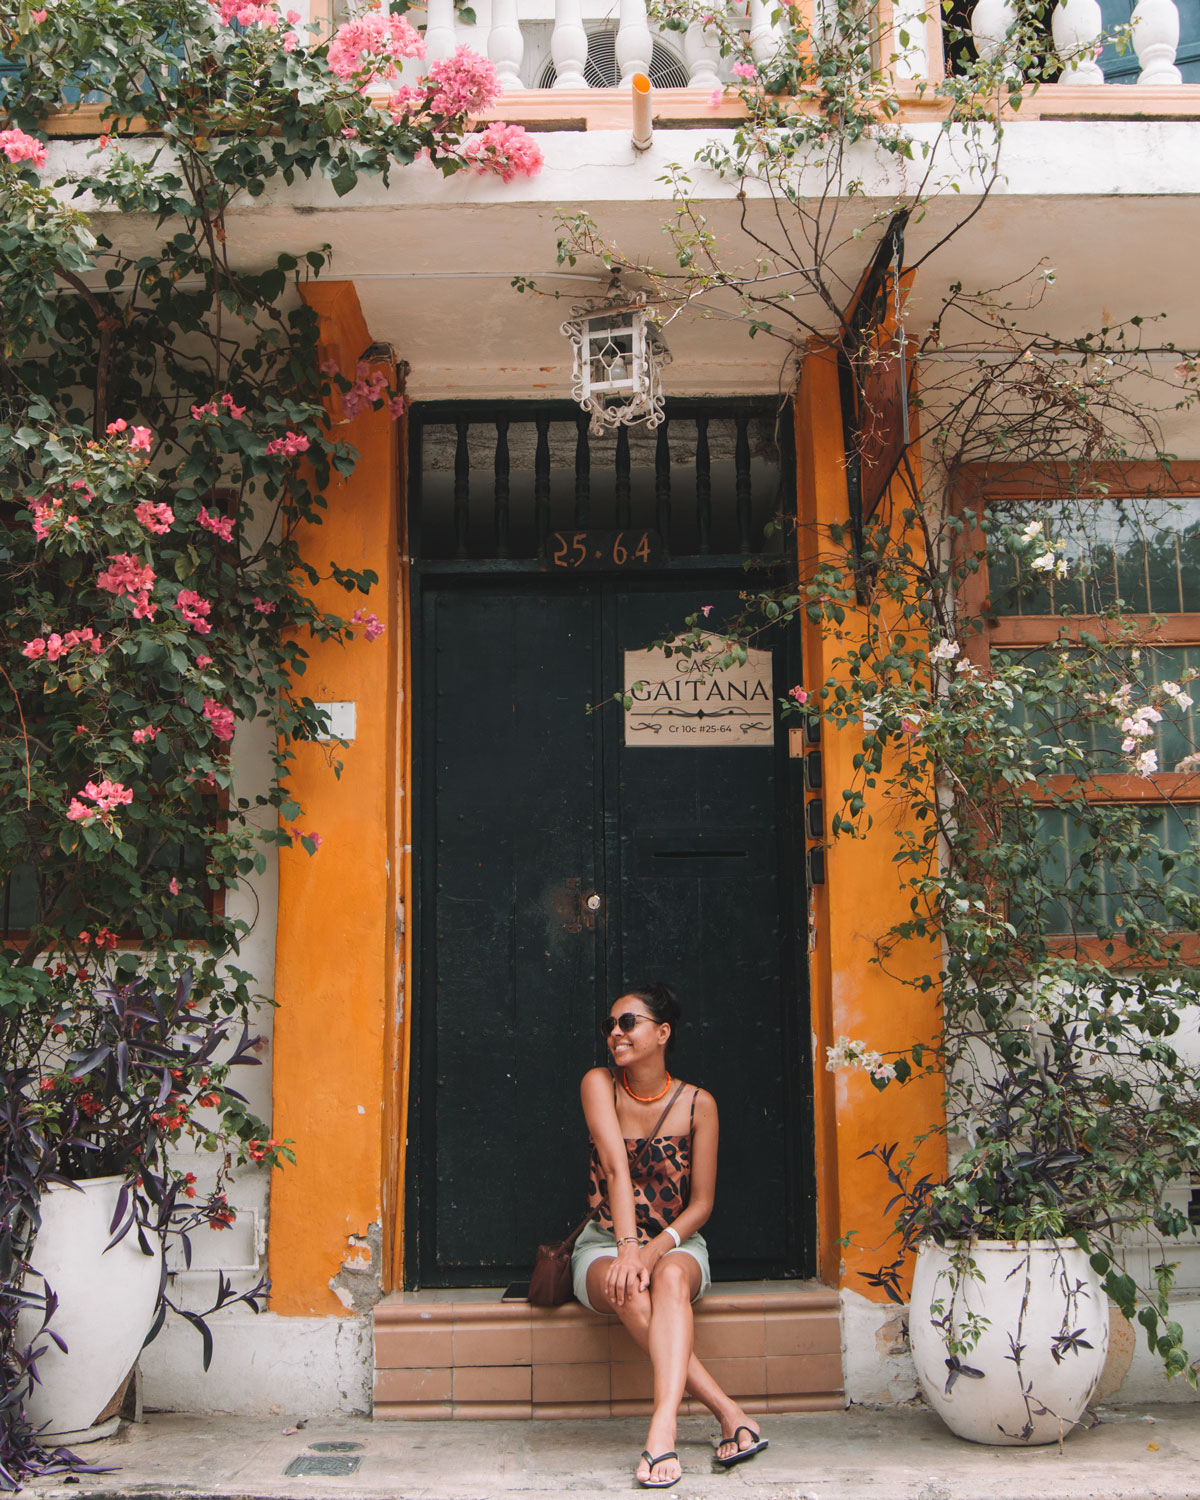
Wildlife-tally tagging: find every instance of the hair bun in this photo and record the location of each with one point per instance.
(660, 1000)
(665, 1002)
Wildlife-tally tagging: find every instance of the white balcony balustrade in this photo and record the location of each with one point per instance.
(574, 44)
(596, 44)
(1077, 29)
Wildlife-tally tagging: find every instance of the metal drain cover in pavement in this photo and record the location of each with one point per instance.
(309, 1463)
(336, 1447)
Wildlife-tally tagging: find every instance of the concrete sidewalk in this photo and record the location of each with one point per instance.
(1151, 1453)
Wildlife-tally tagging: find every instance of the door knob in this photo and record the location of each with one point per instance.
(593, 902)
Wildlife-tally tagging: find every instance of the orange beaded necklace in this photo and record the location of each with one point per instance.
(650, 1098)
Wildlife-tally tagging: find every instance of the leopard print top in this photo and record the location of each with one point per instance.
(661, 1180)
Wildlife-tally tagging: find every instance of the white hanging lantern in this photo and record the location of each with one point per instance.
(618, 358)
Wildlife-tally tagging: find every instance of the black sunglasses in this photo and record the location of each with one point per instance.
(626, 1022)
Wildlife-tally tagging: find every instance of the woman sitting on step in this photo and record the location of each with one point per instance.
(641, 1256)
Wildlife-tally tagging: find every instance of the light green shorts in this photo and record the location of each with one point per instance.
(596, 1242)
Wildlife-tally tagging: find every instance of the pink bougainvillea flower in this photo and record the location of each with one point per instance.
(290, 42)
(204, 661)
(369, 46)
(34, 648)
(155, 518)
(139, 439)
(292, 17)
(85, 637)
(105, 796)
(38, 16)
(173, 886)
(195, 609)
(706, 610)
(148, 732)
(744, 70)
(221, 526)
(220, 719)
(213, 408)
(371, 624)
(298, 834)
(108, 795)
(245, 13)
(396, 408)
(263, 606)
(115, 427)
(369, 387)
(19, 147)
(507, 151)
(45, 513)
(288, 446)
(465, 84)
(126, 576)
(798, 693)
(714, 99)
(55, 647)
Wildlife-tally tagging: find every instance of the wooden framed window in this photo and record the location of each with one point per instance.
(21, 896)
(1137, 543)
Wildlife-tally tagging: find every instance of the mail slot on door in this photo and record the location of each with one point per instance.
(705, 852)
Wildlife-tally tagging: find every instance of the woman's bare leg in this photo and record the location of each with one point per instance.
(637, 1315)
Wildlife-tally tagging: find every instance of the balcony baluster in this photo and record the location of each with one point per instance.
(440, 40)
(569, 45)
(634, 42)
(506, 45)
(1155, 40)
(991, 21)
(766, 36)
(702, 53)
(1077, 25)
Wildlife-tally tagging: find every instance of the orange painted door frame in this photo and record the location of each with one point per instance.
(861, 900)
(338, 1053)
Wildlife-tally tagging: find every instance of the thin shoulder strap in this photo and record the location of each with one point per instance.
(659, 1122)
(614, 1091)
(692, 1116)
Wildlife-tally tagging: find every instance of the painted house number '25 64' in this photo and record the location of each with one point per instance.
(579, 551)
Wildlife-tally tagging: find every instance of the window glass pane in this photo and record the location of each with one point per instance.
(19, 900)
(1082, 889)
(1143, 552)
(1173, 738)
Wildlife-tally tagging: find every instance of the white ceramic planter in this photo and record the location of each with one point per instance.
(106, 1304)
(1030, 1299)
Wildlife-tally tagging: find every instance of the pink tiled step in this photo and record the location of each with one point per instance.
(774, 1345)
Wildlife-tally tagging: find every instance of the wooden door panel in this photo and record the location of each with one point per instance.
(701, 904)
(528, 804)
(510, 989)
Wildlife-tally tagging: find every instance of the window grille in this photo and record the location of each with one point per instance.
(492, 482)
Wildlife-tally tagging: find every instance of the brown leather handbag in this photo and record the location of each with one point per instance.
(550, 1282)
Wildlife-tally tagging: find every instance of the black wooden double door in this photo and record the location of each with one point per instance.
(558, 865)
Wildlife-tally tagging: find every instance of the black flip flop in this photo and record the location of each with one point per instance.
(658, 1484)
(742, 1454)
